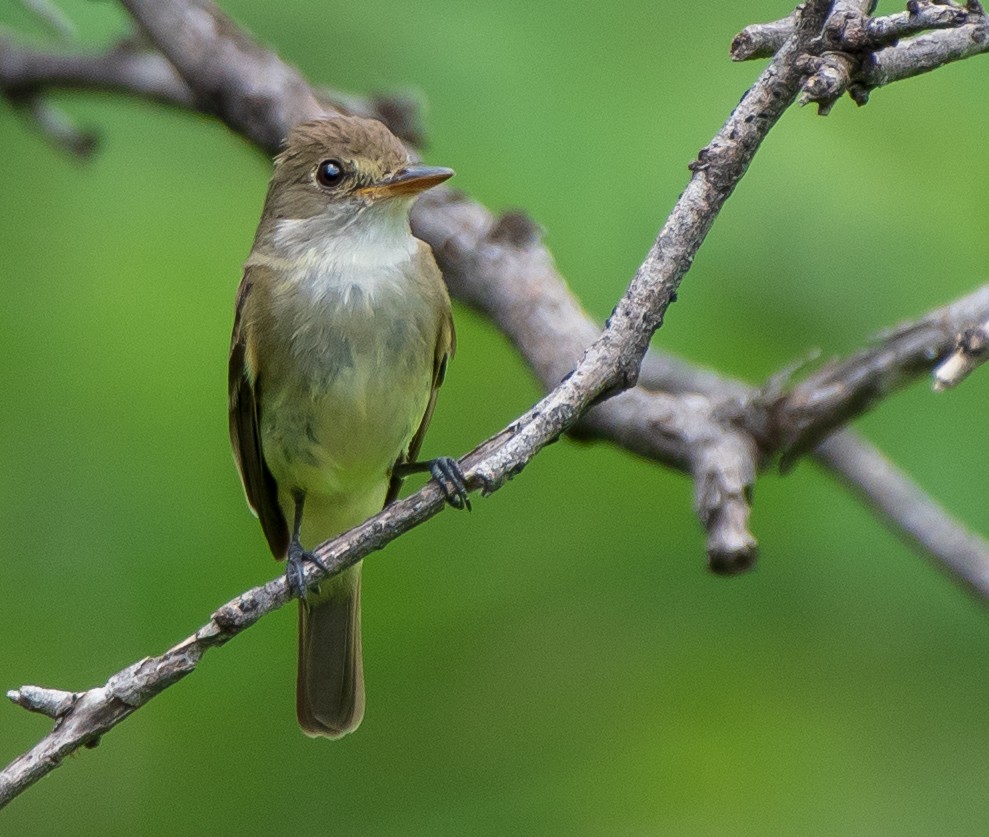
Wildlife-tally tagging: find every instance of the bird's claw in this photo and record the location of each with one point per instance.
(447, 472)
(295, 569)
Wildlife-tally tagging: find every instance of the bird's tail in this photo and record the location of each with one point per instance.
(330, 686)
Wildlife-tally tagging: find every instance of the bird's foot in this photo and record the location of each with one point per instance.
(295, 569)
(447, 472)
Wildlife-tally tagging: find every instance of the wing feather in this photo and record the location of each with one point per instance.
(245, 433)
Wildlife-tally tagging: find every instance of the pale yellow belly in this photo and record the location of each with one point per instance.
(338, 445)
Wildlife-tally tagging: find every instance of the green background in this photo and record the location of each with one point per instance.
(559, 661)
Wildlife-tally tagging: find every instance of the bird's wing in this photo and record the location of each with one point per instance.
(245, 429)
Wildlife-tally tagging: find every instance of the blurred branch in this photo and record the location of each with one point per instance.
(911, 513)
(831, 397)
(52, 17)
(971, 351)
(129, 67)
(133, 67)
(716, 429)
(56, 126)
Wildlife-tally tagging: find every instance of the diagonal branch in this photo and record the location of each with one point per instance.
(609, 366)
(911, 512)
(716, 429)
(843, 390)
(81, 718)
(493, 264)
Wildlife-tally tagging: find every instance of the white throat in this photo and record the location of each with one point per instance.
(370, 251)
(377, 237)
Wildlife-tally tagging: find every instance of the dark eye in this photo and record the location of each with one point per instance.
(329, 173)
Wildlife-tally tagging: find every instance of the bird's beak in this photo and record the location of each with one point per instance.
(408, 181)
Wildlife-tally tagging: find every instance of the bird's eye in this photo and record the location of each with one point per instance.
(329, 173)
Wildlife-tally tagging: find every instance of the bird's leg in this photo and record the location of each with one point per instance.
(295, 564)
(447, 472)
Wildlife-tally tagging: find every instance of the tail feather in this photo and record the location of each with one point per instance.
(330, 686)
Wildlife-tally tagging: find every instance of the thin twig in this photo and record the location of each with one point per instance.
(859, 53)
(762, 40)
(901, 502)
(49, 13)
(920, 55)
(854, 29)
(845, 389)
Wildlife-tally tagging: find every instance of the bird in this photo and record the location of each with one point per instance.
(342, 334)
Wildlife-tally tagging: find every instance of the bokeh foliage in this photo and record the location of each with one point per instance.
(559, 661)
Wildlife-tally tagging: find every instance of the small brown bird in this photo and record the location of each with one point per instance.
(341, 340)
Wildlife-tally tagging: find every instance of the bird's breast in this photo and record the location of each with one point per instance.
(347, 377)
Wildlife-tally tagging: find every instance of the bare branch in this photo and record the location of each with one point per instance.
(920, 55)
(851, 37)
(851, 54)
(722, 460)
(762, 40)
(132, 67)
(609, 366)
(81, 718)
(909, 510)
(920, 17)
(830, 73)
(851, 28)
(51, 702)
(58, 128)
(52, 17)
(710, 427)
(501, 267)
(232, 76)
(129, 67)
(845, 389)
